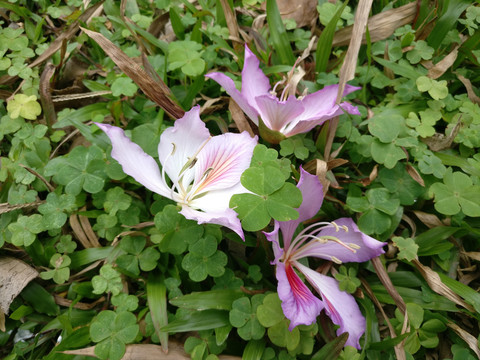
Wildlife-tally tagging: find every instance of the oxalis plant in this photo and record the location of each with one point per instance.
(198, 179)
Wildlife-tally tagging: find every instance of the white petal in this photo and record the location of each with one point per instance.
(135, 162)
(181, 142)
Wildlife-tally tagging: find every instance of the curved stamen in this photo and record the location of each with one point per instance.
(274, 90)
(285, 92)
(297, 242)
(300, 253)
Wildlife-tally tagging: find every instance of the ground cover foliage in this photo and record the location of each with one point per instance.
(93, 264)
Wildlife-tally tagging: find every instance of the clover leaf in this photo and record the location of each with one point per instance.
(456, 193)
(24, 106)
(204, 259)
(55, 208)
(399, 182)
(347, 279)
(112, 331)
(123, 86)
(116, 200)
(108, 281)
(407, 248)
(436, 89)
(421, 51)
(24, 230)
(61, 273)
(83, 168)
(243, 317)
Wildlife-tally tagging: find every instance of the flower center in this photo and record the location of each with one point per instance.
(183, 184)
(310, 237)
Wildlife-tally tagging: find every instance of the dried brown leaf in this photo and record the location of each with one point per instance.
(14, 276)
(155, 90)
(319, 168)
(232, 26)
(468, 85)
(436, 284)
(380, 26)
(148, 352)
(304, 12)
(239, 118)
(439, 142)
(57, 43)
(443, 65)
(430, 220)
(387, 282)
(347, 71)
(415, 175)
(2, 321)
(475, 255)
(466, 336)
(46, 94)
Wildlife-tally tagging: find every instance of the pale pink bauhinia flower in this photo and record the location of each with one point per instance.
(204, 171)
(286, 114)
(338, 241)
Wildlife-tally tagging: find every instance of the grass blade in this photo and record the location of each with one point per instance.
(278, 34)
(157, 303)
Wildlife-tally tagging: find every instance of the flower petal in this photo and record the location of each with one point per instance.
(240, 99)
(322, 102)
(226, 217)
(180, 142)
(312, 194)
(278, 114)
(222, 161)
(368, 247)
(299, 305)
(340, 306)
(275, 240)
(135, 162)
(254, 81)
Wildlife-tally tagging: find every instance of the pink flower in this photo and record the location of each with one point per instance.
(338, 241)
(286, 115)
(204, 171)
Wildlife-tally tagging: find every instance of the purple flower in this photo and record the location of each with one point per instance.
(338, 241)
(204, 171)
(287, 115)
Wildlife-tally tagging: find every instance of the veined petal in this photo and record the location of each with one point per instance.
(135, 162)
(312, 194)
(274, 239)
(304, 126)
(222, 161)
(365, 247)
(277, 114)
(299, 305)
(227, 218)
(229, 86)
(180, 142)
(340, 306)
(322, 102)
(254, 81)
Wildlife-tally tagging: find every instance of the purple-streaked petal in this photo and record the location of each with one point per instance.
(254, 81)
(227, 218)
(304, 126)
(274, 239)
(299, 305)
(180, 142)
(222, 161)
(365, 246)
(321, 102)
(340, 306)
(135, 162)
(239, 98)
(278, 114)
(312, 194)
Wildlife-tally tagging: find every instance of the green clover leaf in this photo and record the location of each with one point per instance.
(55, 208)
(24, 230)
(123, 86)
(108, 281)
(347, 279)
(204, 259)
(407, 246)
(243, 317)
(24, 106)
(456, 193)
(116, 200)
(112, 331)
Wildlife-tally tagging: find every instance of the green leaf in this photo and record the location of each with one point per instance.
(262, 180)
(55, 209)
(399, 182)
(387, 154)
(24, 230)
(243, 317)
(24, 106)
(213, 299)
(116, 200)
(455, 194)
(279, 38)
(123, 86)
(157, 303)
(386, 126)
(199, 320)
(282, 203)
(324, 44)
(270, 312)
(407, 246)
(252, 211)
(347, 279)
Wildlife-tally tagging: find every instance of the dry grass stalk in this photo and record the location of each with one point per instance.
(385, 279)
(380, 26)
(154, 89)
(468, 85)
(467, 337)
(436, 284)
(6, 207)
(239, 118)
(232, 26)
